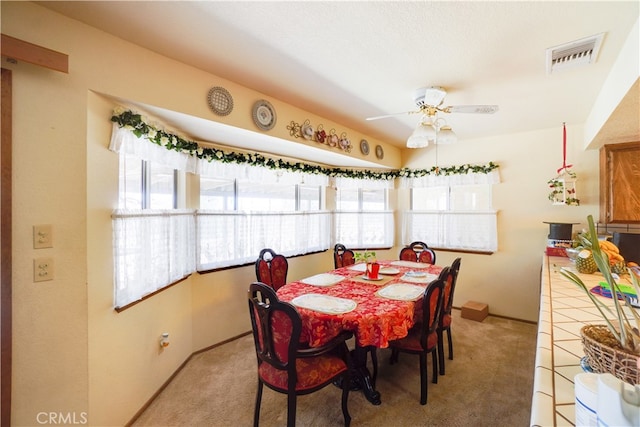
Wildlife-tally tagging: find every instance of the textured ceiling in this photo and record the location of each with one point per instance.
(350, 60)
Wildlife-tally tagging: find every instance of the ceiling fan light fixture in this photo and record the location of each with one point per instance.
(424, 133)
(446, 135)
(417, 142)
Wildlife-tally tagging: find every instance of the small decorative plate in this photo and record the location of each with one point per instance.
(307, 130)
(379, 152)
(264, 115)
(365, 277)
(220, 100)
(364, 147)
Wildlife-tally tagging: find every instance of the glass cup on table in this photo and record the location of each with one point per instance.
(372, 270)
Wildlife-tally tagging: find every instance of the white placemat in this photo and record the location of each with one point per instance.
(401, 291)
(324, 303)
(426, 278)
(323, 279)
(359, 267)
(389, 270)
(411, 264)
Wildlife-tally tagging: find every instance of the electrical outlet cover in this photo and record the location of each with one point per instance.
(42, 236)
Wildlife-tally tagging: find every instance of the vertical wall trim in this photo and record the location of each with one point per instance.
(5, 255)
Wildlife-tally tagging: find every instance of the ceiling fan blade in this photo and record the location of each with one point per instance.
(478, 109)
(391, 115)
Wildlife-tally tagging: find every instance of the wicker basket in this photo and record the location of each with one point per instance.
(603, 358)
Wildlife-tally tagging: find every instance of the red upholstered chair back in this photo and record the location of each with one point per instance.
(431, 311)
(272, 268)
(418, 252)
(342, 256)
(276, 327)
(450, 277)
(450, 286)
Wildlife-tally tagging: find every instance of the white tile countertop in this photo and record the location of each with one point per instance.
(564, 310)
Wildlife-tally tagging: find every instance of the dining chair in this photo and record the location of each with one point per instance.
(444, 325)
(423, 337)
(272, 268)
(283, 365)
(418, 252)
(342, 256)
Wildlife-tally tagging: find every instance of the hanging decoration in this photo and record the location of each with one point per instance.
(306, 131)
(140, 128)
(563, 186)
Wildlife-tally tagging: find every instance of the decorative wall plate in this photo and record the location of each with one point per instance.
(264, 115)
(220, 100)
(364, 147)
(307, 130)
(379, 152)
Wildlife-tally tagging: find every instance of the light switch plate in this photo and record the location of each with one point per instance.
(43, 269)
(42, 236)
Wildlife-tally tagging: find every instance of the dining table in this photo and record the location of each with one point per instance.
(377, 310)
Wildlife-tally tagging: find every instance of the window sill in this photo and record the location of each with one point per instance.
(463, 251)
(146, 297)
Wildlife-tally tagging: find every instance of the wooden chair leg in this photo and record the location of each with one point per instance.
(441, 351)
(394, 356)
(291, 410)
(434, 357)
(256, 413)
(346, 383)
(450, 343)
(423, 379)
(374, 362)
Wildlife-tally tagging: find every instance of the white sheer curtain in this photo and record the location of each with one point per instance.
(343, 182)
(124, 141)
(474, 231)
(152, 249)
(368, 230)
(234, 238)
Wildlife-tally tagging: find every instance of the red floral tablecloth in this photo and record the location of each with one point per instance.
(375, 320)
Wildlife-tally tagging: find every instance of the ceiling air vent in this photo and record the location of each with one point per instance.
(577, 53)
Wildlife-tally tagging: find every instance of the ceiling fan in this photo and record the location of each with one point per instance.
(429, 102)
(432, 128)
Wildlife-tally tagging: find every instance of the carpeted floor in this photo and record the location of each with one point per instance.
(489, 383)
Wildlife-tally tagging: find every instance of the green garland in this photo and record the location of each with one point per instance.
(447, 170)
(134, 122)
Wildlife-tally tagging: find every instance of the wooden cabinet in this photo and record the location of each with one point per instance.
(620, 183)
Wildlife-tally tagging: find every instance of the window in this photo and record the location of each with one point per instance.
(154, 241)
(452, 215)
(362, 218)
(239, 216)
(145, 185)
(266, 197)
(309, 198)
(217, 194)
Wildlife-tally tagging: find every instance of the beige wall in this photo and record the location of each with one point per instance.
(72, 352)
